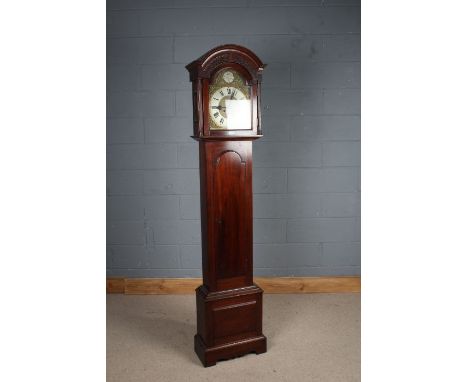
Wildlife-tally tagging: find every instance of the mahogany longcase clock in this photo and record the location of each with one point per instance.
(226, 119)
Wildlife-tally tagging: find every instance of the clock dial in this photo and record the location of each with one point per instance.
(229, 102)
(224, 105)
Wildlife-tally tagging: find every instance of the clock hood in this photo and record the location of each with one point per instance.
(204, 66)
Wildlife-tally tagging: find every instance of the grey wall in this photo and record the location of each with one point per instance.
(306, 168)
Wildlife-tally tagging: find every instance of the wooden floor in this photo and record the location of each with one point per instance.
(311, 337)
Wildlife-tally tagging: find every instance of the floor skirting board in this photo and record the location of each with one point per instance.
(332, 284)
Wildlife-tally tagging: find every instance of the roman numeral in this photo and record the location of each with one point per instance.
(221, 120)
(229, 91)
(214, 107)
(234, 94)
(221, 92)
(216, 99)
(216, 114)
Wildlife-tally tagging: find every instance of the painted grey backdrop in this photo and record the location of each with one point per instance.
(306, 168)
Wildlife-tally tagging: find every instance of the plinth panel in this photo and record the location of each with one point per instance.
(227, 326)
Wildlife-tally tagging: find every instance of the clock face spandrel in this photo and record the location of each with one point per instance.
(230, 102)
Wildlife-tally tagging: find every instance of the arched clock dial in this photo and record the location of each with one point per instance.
(229, 103)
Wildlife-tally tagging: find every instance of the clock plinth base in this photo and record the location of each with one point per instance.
(210, 356)
(229, 324)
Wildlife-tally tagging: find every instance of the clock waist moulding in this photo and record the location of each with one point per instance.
(226, 119)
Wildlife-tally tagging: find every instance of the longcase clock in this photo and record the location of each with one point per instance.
(226, 119)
